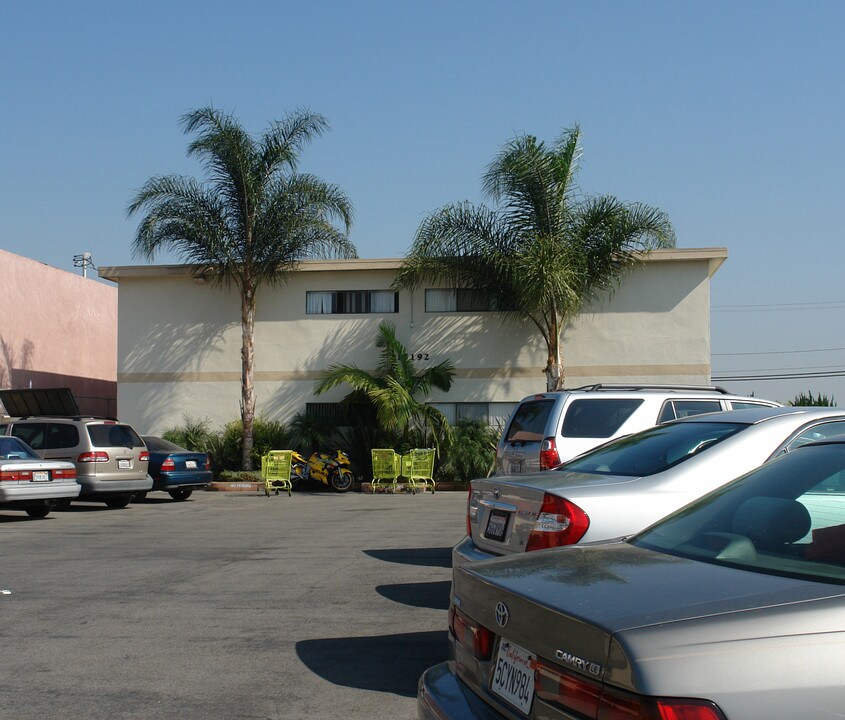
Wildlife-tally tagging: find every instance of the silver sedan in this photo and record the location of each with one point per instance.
(624, 486)
(29, 483)
(732, 608)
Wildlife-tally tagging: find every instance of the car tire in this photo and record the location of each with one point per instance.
(118, 501)
(38, 511)
(180, 493)
(341, 480)
(138, 497)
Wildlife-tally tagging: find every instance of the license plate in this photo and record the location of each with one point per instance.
(191, 464)
(513, 676)
(497, 523)
(40, 476)
(515, 468)
(124, 464)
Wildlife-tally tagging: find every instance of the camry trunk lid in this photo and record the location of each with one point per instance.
(503, 512)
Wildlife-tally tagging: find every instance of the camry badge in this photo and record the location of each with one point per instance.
(502, 614)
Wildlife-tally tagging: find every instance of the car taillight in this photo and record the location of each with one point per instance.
(93, 457)
(144, 456)
(168, 464)
(560, 522)
(589, 698)
(549, 456)
(15, 475)
(64, 474)
(208, 464)
(474, 637)
(472, 509)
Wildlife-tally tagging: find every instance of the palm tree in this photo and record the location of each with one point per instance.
(545, 250)
(252, 221)
(395, 388)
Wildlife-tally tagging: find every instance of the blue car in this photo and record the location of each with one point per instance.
(176, 470)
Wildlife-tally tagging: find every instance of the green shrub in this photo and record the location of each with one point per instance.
(472, 452)
(808, 400)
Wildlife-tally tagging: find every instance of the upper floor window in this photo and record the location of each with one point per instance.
(456, 300)
(345, 302)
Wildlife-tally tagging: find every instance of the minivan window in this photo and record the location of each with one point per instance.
(62, 435)
(597, 417)
(529, 421)
(654, 450)
(33, 434)
(114, 436)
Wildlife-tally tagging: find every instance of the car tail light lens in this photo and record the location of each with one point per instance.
(549, 456)
(208, 464)
(575, 693)
(472, 509)
(560, 522)
(93, 457)
(474, 637)
(168, 464)
(64, 474)
(15, 475)
(144, 456)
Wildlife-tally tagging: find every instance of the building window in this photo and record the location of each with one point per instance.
(342, 414)
(456, 300)
(347, 302)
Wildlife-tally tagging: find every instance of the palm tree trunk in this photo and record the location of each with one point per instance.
(555, 372)
(247, 359)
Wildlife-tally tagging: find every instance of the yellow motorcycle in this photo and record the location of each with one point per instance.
(329, 469)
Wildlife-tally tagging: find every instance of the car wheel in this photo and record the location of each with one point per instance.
(118, 501)
(38, 511)
(341, 481)
(180, 493)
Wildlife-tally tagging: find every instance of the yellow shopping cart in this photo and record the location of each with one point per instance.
(275, 469)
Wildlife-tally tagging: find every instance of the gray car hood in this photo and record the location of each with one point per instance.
(618, 586)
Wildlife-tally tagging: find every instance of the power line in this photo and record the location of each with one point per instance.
(780, 376)
(823, 305)
(778, 352)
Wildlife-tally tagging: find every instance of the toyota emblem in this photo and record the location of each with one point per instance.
(502, 614)
(497, 493)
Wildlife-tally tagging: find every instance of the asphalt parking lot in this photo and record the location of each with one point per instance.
(229, 605)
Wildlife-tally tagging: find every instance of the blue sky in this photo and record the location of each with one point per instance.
(726, 115)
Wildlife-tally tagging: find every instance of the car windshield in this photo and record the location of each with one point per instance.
(653, 450)
(785, 518)
(13, 449)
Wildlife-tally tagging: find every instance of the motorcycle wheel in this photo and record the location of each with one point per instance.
(341, 480)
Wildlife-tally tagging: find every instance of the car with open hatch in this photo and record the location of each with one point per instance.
(732, 608)
(30, 483)
(627, 484)
(176, 470)
(549, 428)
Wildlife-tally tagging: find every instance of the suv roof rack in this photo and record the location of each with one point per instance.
(646, 386)
(66, 417)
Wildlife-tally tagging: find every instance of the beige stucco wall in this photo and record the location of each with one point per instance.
(58, 329)
(179, 339)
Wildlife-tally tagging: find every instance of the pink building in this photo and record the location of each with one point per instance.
(58, 329)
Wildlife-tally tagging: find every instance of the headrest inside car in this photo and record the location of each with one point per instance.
(771, 522)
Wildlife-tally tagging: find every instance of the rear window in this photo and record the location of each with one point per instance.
(785, 518)
(114, 436)
(529, 421)
(13, 449)
(597, 418)
(654, 450)
(161, 445)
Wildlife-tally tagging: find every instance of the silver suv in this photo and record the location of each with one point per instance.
(549, 428)
(110, 457)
